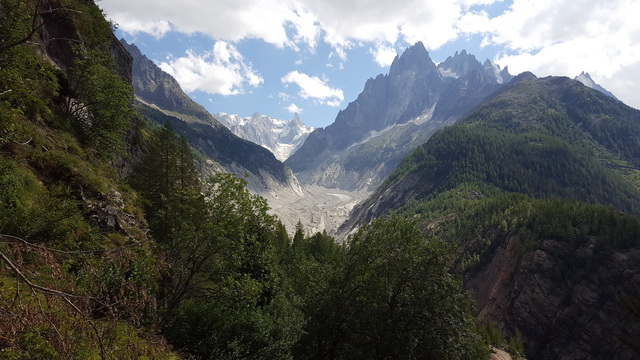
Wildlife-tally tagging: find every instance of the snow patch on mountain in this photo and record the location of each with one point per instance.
(281, 137)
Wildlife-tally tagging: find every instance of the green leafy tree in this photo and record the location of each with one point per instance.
(27, 82)
(516, 346)
(392, 297)
(98, 103)
(234, 305)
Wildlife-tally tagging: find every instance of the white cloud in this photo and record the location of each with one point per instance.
(284, 96)
(566, 37)
(230, 20)
(383, 54)
(155, 28)
(294, 23)
(554, 37)
(312, 87)
(221, 71)
(294, 109)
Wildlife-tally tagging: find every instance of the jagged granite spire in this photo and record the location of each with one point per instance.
(587, 81)
(414, 98)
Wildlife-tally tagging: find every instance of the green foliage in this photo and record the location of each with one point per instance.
(98, 103)
(516, 347)
(167, 179)
(60, 166)
(480, 221)
(492, 335)
(29, 210)
(27, 83)
(221, 293)
(16, 20)
(391, 297)
(91, 24)
(233, 324)
(235, 290)
(54, 181)
(537, 165)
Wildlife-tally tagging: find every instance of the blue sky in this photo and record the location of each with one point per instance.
(313, 57)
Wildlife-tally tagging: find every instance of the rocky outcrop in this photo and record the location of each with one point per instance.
(59, 34)
(566, 302)
(158, 88)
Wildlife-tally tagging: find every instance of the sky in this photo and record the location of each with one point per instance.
(313, 57)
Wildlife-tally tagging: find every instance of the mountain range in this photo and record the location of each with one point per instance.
(537, 188)
(532, 180)
(394, 114)
(161, 99)
(519, 193)
(281, 137)
(574, 149)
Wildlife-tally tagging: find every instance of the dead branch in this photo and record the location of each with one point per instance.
(44, 248)
(24, 143)
(41, 289)
(34, 29)
(64, 296)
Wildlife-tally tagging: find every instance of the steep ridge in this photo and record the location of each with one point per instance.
(154, 86)
(587, 81)
(393, 114)
(566, 297)
(162, 100)
(281, 137)
(560, 273)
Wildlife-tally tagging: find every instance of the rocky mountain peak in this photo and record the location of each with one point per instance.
(296, 119)
(156, 87)
(392, 113)
(415, 59)
(460, 65)
(281, 137)
(463, 64)
(587, 81)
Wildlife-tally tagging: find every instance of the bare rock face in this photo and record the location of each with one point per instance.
(163, 101)
(157, 87)
(392, 115)
(59, 34)
(567, 304)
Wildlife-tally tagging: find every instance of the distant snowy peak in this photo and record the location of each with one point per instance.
(281, 137)
(587, 81)
(463, 64)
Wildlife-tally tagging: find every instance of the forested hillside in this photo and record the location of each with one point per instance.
(538, 190)
(113, 246)
(550, 137)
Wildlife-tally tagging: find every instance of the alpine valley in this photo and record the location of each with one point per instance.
(451, 211)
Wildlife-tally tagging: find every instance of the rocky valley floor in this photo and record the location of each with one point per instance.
(318, 209)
